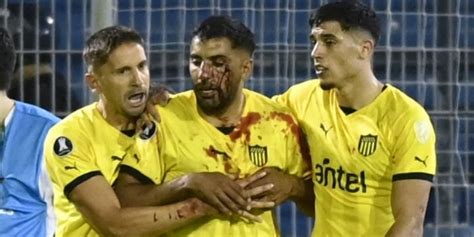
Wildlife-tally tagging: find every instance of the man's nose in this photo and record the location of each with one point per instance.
(205, 70)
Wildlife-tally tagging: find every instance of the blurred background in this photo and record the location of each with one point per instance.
(426, 49)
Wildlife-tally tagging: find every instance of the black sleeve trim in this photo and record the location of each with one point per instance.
(422, 176)
(73, 184)
(136, 174)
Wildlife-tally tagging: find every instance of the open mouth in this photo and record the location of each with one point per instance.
(137, 98)
(320, 69)
(208, 92)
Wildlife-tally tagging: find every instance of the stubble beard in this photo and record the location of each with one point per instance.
(219, 106)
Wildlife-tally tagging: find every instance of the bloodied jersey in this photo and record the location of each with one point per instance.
(266, 136)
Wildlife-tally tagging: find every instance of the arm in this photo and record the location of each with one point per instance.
(409, 201)
(216, 189)
(96, 200)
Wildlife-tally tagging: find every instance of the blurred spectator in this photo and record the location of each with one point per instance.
(34, 80)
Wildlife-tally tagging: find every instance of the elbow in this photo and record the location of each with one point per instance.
(417, 228)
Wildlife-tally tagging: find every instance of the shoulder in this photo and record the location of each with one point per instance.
(76, 123)
(401, 103)
(179, 103)
(303, 88)
(259, 101)
(35, 113)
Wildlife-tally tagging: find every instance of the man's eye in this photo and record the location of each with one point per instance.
(196, 62)
(122, 71)
(218, 64)
(329, 42)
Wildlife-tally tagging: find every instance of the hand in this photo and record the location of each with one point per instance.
(256, 191)
(208, 210)
(217, 190)
(282, 186)
(157, 95)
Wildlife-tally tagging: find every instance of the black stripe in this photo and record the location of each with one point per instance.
(70, 186)
(422, 176)
(136, 174)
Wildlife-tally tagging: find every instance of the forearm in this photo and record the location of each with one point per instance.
(406, 227)
(135, 194)
(157, 220)
(303, 195)
(409, 201)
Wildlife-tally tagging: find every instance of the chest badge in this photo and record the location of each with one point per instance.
(367, 144)
(258, 155)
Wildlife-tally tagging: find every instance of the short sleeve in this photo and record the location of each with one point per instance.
(414, 155)
(68, 158)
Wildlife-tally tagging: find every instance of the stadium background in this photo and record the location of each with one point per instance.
(426, 49)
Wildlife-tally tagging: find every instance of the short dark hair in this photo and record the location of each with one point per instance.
(7, 59)
(224, 26)
(350, 14)
(101, 44)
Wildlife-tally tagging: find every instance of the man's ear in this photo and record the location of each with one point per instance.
(93, 82)
(247, 68)
(367, 49)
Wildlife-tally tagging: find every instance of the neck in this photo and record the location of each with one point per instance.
(231, 116)
(114, 118)
(359, 91)
(6, 104)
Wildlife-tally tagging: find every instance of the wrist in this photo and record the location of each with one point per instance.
(296, 187)
(184, 186)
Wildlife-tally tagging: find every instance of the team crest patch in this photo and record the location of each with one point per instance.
(62, 146)
(148, 131)
(258, 155)
(367, 144)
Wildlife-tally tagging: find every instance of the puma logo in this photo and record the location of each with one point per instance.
(71, 167)
(118, 158)
(421, 161)
(325, 130)
(136, 158)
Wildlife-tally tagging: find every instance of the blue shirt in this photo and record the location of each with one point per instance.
(25, 190)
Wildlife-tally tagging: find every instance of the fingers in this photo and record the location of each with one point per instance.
(238, 195)
(215, 202)
(229, 204)
(245, 182)
(159, 94)
(262, 204)
(249, 216)
(259, 190)
(153, 112)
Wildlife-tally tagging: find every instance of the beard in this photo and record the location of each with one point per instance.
(218, 103)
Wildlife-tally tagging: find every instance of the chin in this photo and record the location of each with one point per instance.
(135, 112)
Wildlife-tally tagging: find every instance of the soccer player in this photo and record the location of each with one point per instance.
(83, 151)
(372, 147)
(220, 129)
(25, 190)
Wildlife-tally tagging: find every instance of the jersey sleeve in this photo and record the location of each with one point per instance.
(284, 99)
(69, 159)
(414, 155)
(143, 161)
